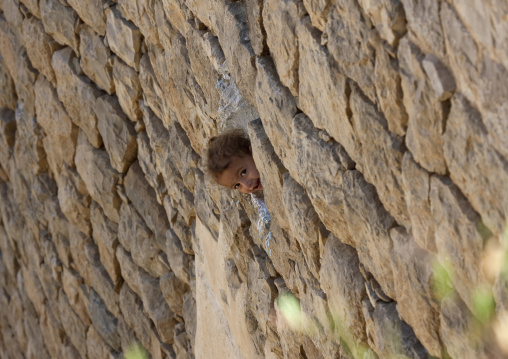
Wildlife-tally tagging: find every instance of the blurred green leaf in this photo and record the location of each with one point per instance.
(291, 310)
(484, 304)
(136, 351)
(442, 283)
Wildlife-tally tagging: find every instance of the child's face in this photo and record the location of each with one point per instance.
(242, 175)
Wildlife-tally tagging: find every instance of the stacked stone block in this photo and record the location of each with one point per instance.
(378, 128)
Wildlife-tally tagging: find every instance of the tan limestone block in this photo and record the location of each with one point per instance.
(228, 21)
(139, 240)
(72, 324)
(184, 232)
(148, 289)
(105, 236)
(416, 185)
(182, 154)
(18, 66)
(7, 129)
(181, 197)
(76, 93)
(96, 59)
(379, 156)
(348, 29)
(35, 345)
(99, 279)
(370, 222)
(389, 90)
(100, 178)
(440, 77)
(39, 47)
(424, 25)
(128, 89)
(74, 199)
(176, 15)
(117, 133)
(28, 147)
(7, 90)
(389, 335)
(61, 133)
(271, 172)
(456, 322)
(387, 16)
(475, 166)
(254, 11)
(129, 271)
(92, 13)
(143, 199)
(322, 91)
(414, 287)
(33, 289)
(123, 38)
(339, 265)
(173, 290)
(153, 93)
(97, 347)
(204, 203)
(72, 285)
(156, 307)
(199, 45)
(280, 19)
(277, 107)
(33, 7)
(304, 223)
(458, 247)
(148, 165)
(104, 322)
(426, 115)
(8, 254)
(80, 263)
(320, 163)
(142, 14)
(137, 320)
(52, 332)
(61, 22)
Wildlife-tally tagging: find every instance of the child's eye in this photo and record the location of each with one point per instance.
(237, 185)
(244, 172)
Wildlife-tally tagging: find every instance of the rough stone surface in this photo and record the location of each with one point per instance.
(77, 94)
(91, 12)
(378, 128)
(280, 19)
(40, 47)
(485, 189)
(128, 89)
(340, 266)
(426, 115)
(61, 22)
(460, 247)
(62, 134)
(96, 59)
(117, 132)
(135, 236)
(7, 90)
(105, 235)
(100, 178)
(123, 38)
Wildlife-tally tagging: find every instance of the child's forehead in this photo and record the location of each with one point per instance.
(239, 159)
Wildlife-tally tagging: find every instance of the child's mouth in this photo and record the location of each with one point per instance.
(258, 186)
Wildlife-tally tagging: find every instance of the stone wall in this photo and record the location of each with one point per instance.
(378, 126)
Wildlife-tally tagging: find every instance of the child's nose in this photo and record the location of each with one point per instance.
(247, 185)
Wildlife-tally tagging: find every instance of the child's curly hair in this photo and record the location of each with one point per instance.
(224, 146)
